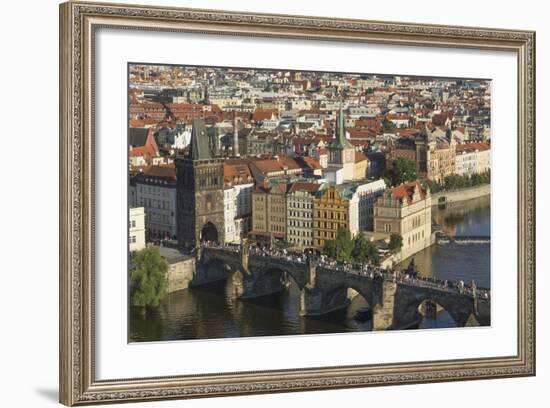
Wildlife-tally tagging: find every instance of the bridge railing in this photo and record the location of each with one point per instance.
(367, 271)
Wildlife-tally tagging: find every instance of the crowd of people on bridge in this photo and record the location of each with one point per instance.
(405, 276)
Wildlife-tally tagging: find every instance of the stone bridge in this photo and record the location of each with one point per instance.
(397, 302)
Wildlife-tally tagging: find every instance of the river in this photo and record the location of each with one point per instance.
(210, 312)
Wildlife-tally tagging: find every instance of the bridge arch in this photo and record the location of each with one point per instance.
(431, 310)
(209, 232)
(338, 295)
(458, 306)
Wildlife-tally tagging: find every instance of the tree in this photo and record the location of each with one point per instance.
(364, 251)
(372, 254)
(396, 243)
(344, 244)
(330, 249)
(401, 171)
(148, 279)
(387, 125)
(431, 185)
(360, 248)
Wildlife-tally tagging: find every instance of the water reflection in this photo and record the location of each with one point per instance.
(211, 312)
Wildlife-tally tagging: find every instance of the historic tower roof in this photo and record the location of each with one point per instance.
(199, 149)
(340, 141)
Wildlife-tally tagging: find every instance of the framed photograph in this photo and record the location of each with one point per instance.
(255, 203)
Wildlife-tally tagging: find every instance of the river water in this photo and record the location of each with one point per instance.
(210, 312)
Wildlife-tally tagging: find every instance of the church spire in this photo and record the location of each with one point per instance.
(340, 141)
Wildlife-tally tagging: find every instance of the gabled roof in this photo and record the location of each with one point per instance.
(311, 188)
(406, 191)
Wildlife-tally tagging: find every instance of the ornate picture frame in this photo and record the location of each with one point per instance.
(78, 24)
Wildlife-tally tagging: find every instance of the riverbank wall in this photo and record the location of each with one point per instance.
(180, 273)
(464, 194)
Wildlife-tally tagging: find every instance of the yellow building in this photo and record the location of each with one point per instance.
(435, 156)
(405, 210)
(330, 212)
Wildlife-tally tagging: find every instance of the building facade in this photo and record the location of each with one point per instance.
(238, 211)
(154, 189)
(367, 195)
(330, 212)
(472, 158)
(405, 210)
(136, 225)
(435, 156)
(269, 211)
(299, 202)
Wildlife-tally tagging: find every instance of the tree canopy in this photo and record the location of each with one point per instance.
(396, 243)
(456, 181)
(401, 171)
(148, 279)
(345, 248)
(387, 125)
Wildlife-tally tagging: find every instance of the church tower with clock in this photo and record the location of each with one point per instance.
(342, 152)
(199, 191)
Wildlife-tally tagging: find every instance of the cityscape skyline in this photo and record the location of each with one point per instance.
(350, 168)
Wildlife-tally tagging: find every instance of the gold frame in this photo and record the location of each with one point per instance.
(78, 22)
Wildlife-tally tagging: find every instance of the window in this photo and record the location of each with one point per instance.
(133, 223)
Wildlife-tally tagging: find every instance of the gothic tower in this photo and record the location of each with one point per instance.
(200, 190)
(342, 152)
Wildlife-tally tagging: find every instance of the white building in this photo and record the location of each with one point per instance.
(472, 158)
(367, 195)
(136, 226)
(155, 190)
(237, 200)
(361, 198)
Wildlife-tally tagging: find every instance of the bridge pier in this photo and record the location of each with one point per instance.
(383, 312)
(314, 302)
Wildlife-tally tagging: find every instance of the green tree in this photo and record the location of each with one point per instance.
(372, 254)
(432, 185)
(456, 181)
(401, 171)
(330, 249)
(360, 248)
(148, 279)
(364, 251)
(396, 243)
(387, 125)
(344, 244)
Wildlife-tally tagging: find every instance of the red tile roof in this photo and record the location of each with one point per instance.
(406, 191)
(261, 114)
(470, 147)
